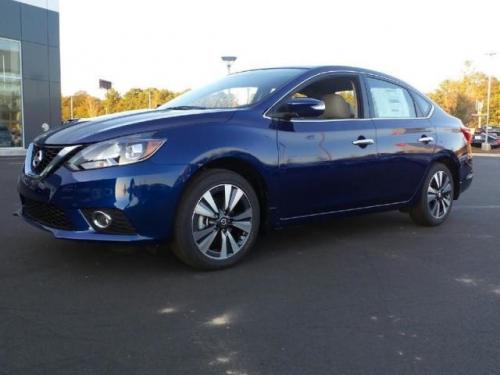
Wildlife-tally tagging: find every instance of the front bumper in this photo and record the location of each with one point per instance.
(145, 194)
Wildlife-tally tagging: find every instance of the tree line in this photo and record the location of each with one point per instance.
(458, 97)
(86, 105)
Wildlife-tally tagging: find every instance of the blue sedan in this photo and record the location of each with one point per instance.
(262, 148)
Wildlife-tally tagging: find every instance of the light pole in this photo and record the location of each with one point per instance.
(486, 146)
(105, 85)
(229, 60)
(479, 112)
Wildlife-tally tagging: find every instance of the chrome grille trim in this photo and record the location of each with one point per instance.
(56, 160)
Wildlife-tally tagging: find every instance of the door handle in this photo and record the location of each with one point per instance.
(363, 142)
(425, 139)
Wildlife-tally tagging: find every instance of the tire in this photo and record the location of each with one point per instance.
(436, 198)
(208, 239)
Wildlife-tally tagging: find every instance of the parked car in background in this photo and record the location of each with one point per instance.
(269, 147)
(495, 130)
(479, 138)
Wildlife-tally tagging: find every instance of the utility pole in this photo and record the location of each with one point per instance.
(105, 85)
(491, 55)
(479, 112)
(486, 146)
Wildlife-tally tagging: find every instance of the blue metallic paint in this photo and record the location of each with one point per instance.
(307, 168)
(322, 170)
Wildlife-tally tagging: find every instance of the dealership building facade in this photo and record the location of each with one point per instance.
(30, 74)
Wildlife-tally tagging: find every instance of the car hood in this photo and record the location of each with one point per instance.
(123, 124)
(109, 116)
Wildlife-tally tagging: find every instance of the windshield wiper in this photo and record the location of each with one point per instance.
(186, 107)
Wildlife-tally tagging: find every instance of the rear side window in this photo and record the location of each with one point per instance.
(390, 100)
(423, 105)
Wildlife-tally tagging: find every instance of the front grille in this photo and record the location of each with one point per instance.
(44, 156)
(119, 225)
(46, 214)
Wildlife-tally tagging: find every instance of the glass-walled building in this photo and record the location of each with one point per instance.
(11, 104)
(30, 82)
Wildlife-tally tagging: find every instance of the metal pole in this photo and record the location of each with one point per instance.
(479, 108)
(107, 101)
(229, 60)
(3, 69)
(149, 99)
(71, 107)
(488, 108)
(491, 55)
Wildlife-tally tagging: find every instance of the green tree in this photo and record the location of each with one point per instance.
(459, 97)
(133, 99)
(111, 102)
(85, 105)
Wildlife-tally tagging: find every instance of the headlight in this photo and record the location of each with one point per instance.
(120, 151)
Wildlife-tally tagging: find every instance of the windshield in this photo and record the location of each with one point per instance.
(235, 90)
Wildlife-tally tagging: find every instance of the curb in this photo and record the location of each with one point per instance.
(9, 152)
(486, 155)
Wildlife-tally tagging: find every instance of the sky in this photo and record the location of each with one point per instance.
(177, 44)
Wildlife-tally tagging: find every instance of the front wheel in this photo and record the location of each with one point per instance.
(436, 198)
(217, 220)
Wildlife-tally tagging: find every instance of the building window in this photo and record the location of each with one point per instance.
(11, 122)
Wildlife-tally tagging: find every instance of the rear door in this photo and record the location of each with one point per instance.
(405, 138)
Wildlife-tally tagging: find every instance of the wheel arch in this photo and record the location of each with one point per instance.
(452, 163)
(245, 168)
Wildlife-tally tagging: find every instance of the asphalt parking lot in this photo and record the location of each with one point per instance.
(372, 294)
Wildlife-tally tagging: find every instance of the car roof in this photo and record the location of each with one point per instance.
(341, 68)
(323, 68)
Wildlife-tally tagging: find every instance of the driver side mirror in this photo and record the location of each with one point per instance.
(301, 107)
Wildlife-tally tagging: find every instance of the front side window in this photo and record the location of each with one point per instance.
(339, 93)
(390, 100)
(11, 129)
(235, 90)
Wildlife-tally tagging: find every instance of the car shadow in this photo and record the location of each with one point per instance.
(308, 237)
(155, 257)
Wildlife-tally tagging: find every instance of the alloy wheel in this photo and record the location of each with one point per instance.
(439, 194)
(222, 221)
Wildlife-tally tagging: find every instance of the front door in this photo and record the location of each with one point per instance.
(327, 163)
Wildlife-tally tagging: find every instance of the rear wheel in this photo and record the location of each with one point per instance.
(436, 198)
(217, 221)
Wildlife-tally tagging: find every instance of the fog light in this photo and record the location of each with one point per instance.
(101, 219)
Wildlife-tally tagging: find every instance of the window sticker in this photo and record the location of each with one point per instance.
(390, 102)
